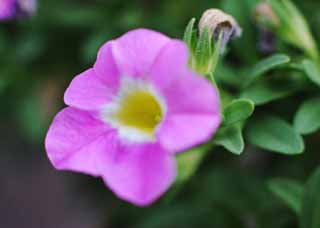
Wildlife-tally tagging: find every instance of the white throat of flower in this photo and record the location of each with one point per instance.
(136, 111)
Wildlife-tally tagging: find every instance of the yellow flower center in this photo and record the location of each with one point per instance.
(141, 110)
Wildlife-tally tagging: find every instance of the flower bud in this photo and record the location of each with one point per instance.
(289, 24)
(27, 7)
(220, 24)
(14, 8)
(267, 43)
(264, 12)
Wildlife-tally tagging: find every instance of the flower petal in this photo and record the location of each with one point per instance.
(180, 132)
(193, 113)
(135, 51)
(191, 94)
(74, 141)
(170, 64)
(193, 107)
(105, 66)
(88, 92)
(138, 173)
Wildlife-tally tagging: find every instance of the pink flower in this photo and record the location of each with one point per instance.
(131, 113)
(11, 8)
(7, 8)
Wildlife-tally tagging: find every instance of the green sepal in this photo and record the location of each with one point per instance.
(203, 53)
(188, 36)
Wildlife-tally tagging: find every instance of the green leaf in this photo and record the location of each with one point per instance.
(312, 71)
(227, 75)
(189, 161)
(269, 89)
(238, 110)
(267, 64)
(230, 138)
(289, 191)
(307, 118)
(311, 202)
(188, 33)
(274, 134)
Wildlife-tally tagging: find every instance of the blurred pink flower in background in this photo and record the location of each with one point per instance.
(7, 8)
(131, 113)
(12, 8)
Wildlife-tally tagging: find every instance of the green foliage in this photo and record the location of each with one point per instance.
(213, 188)
(28, 114)
(311, 202)
(242, 48)
(189, 34)
(293, 27)
(266, 90)
(237, 110)
(203, 53)
(289, 191)
(92, 45)
(230, 134)
(230, 138)
(189, 161)
(274, 134)
(307, 118)
(312, 70)
(265, 65)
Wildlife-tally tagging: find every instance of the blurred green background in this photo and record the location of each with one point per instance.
(38, 58)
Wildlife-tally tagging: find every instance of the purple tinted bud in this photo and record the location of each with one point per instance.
(26, 7)
(16, 8)
(267, 41)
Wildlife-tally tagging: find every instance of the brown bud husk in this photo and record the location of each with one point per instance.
(219, 22)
